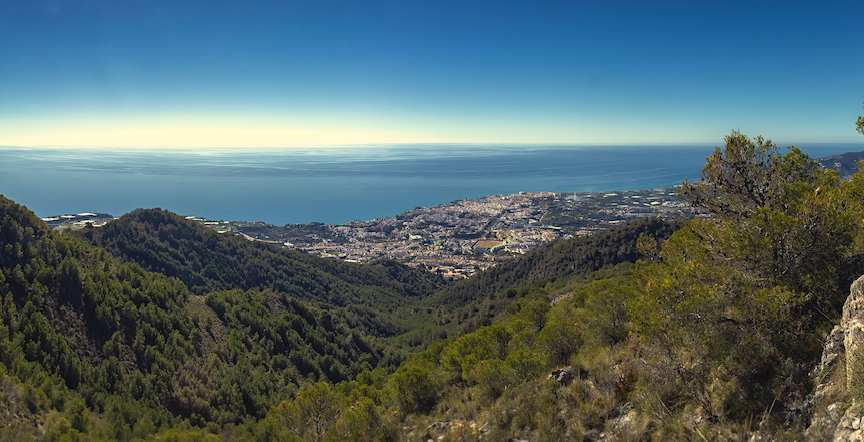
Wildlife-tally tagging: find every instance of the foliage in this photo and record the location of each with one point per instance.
(415, 388)
(474, 302)
(83, 331)
(162, 356)
(206, 261)
(721, 321)
(780, 217)
(86, 333)
(859, 125)
(713, 323)
(313, 413)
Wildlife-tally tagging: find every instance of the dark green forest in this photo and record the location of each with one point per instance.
(155, 328)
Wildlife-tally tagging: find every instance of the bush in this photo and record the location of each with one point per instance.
(415, 388)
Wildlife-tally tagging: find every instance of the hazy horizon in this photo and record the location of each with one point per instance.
(333, 186)
(193, 75)
(372, 147)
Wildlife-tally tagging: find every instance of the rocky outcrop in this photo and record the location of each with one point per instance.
(564, 375)
(833, 348)
(849, 429)
(835, 418)
(853, 327)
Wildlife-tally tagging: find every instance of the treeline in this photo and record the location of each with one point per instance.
(372, 297)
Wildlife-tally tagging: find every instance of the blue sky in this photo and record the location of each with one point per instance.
(247, 73)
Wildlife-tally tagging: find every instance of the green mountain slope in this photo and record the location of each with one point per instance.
(467, 304)
(82, 331)
(77, 326)
(389, 299)
(206, 261)
(104, 342)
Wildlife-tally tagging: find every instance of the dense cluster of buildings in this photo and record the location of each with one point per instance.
(453, 239)
(464, 236)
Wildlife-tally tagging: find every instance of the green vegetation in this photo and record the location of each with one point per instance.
(711, 336)
(94, 347)
(475, 302)
(83, 333)
(205, 261)
(155, 328)
(859, 125)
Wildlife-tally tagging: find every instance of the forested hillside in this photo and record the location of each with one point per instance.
(394, 300)
(83, 332)
(206, 261)
(102, 348)
(476, 301)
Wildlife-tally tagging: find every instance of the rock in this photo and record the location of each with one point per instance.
(849, 428)
(622, 426)
(833, 347)
(853, 327)
(834, 422)
(564, 375)
(437, 428)
(561, 298)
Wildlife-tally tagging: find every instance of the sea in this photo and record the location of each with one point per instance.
(331, 185)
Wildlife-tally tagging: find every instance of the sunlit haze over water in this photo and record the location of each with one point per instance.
(331, 185)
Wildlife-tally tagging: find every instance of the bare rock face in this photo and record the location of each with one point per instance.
(834, 347)
(853, 327)
(849, 429)
(839, 421)
(824, 420)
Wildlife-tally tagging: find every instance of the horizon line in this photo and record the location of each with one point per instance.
(410, 144)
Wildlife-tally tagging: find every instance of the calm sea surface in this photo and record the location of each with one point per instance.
(330, 185)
